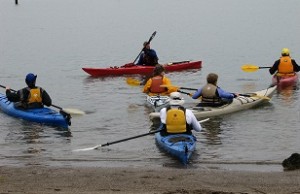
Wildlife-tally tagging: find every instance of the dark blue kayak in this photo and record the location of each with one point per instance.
(180, 146)
(44, 115)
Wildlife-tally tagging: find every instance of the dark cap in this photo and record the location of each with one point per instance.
(30, 78)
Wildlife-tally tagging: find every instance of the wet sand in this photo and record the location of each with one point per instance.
(144, 180)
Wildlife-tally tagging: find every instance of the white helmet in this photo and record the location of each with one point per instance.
(176, 99)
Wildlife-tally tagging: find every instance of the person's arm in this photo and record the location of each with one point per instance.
(192, 120)
(12, 96)
(224, 94)
(296, 66)
(46, 98)
(274, 68)
(167, 81)
(197, 94)
(147, 86)
(163, 115)
(141, 59)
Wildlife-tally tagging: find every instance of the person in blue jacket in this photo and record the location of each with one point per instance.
(211, 94)
(148, 56)
(31, 96)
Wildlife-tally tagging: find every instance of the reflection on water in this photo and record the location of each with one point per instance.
(212, 131)
(287, 94)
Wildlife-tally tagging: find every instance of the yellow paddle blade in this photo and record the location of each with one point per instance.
(249, 68)
(133, 82)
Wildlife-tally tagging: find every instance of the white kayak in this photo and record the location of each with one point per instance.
(239, 103)
(157, 102)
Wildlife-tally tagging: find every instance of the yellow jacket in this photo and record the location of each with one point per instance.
(150, 85)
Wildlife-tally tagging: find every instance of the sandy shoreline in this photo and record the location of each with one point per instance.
(144, 180)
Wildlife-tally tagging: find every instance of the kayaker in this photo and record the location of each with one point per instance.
(152, 86)
(148, 56)
(285, 65)
(176, 119)
(31, 96)
(211, 94)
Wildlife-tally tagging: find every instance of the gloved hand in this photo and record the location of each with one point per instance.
(235, 95)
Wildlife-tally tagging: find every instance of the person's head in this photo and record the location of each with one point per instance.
(176, 99)
(146, 45)
(285, 52)
(158, 70)
(212, 78)
(30, 79)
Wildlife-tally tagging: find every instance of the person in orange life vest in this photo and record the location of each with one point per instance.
(212, 94)
(285, 65)
(31, 96)
(148, 56)
(152, 86)
(176, 119)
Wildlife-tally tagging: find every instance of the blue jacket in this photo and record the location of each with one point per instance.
(222, 94)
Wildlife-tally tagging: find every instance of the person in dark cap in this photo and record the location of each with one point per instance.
(31, 96)
(148, 56)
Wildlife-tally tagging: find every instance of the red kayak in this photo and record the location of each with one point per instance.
(285, 80)
(130, 68)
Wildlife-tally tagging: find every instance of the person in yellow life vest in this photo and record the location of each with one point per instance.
(176, 119)
(285, 65)
(31, 96)
(153, 85)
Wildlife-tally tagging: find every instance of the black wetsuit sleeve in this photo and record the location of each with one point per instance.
(296, 66)
(46, 98)
(12, 96)
(274, 68)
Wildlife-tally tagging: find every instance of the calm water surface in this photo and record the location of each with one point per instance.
(55, 39)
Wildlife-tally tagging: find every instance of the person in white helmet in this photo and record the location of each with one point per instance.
(285, 65)
(176, 119)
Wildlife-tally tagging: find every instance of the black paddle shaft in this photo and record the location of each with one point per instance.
(152, 36)
(129, 138)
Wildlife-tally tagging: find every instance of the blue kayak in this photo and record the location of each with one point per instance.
(180, 146)
(44, 115)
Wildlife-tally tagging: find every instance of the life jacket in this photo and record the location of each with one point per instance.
(176, 120)
(285, 65)
(155, 85)
(34, 99)
(209, 94)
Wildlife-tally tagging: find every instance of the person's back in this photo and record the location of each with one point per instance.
(31, 96)
(211, 94)
(153, 85)
(148, 57)
(176, 119)
(285, 65)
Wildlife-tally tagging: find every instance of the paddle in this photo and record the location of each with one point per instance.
(252, 68)
(177, 87)
(66, 111)
(133, 82)
(126, 139)
(152, 36)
